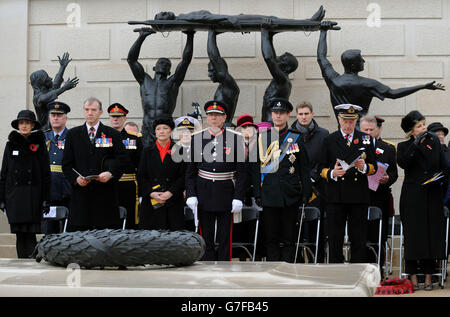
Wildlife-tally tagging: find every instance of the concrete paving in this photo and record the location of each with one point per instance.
(19, 277)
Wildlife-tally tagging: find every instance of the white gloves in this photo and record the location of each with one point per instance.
(192, 202)
(236, 205)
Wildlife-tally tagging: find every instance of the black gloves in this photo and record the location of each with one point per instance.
(420, 137)
(45, 207)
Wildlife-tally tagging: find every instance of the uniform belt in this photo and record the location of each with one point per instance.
(128, 178)
(216, 176)
(55, 168)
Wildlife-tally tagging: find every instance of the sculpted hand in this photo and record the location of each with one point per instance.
(70, 83)
(329, 25)
(64, 61)
(432, 86)
(145, 31)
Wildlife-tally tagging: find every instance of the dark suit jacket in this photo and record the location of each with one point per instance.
(97, 203)
(385, 153)
(352, 188)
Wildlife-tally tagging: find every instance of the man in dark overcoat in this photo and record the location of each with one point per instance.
(93, 149)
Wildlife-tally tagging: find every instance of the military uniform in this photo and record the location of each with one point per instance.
(216, 177)
(60, 190)
(348, 196)
(281, 183)
(128, 183)
(386, 153)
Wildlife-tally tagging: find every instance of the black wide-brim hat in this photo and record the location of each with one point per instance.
(437, 126)
(163, 120)
(26, 115)
(410, 120)
(280, 104)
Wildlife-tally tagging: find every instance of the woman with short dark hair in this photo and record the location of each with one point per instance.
(25, 181)
(161, 182)
(421, 203)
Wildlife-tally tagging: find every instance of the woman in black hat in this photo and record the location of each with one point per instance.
(25, 181)
(421, 205)
(161, 182)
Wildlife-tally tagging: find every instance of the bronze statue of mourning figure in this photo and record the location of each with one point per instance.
(46, 90)
(159, 93)
(228, 91)
(350, 88)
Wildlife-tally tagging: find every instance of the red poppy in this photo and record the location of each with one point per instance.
(33, 147)
(356, 141)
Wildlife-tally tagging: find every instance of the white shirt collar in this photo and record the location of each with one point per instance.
(95, 127)
(350, 137)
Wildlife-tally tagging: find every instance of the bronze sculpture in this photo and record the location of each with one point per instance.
(46, 90)
(158, 94)
(228, 90)
(204, 20)
(350, 88)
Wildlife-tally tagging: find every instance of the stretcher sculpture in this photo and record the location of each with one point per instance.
(204, 20)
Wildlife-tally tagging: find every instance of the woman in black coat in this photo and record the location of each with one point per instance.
(25, 181)
(161, 182)
(421, 206)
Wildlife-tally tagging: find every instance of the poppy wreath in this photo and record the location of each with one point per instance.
(395, 286)
(34, 147)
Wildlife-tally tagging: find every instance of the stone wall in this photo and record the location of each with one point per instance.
(411, 46)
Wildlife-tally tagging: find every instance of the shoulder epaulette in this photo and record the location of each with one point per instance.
(138, 134)
(390, 143)
(200, 131)
(234, 131)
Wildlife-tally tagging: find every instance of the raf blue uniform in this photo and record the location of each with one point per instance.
(60, 189)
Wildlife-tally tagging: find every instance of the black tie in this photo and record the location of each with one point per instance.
(91, 133)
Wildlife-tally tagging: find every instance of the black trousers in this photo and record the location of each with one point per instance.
(357, 230)
(25, 244)
(127, 199)
(280, 231)
(207, 220)
(165, 218)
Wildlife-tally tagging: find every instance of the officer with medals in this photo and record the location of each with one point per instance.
(386, 154)
(55, 139)
(132, 141)
(348, 157)
(281, 182)
(215, 180)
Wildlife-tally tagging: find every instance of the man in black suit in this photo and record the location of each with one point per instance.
(93, 149)
(281, 182)
(133, 145)
(347, 159)
(386, 153)
(215, 180)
